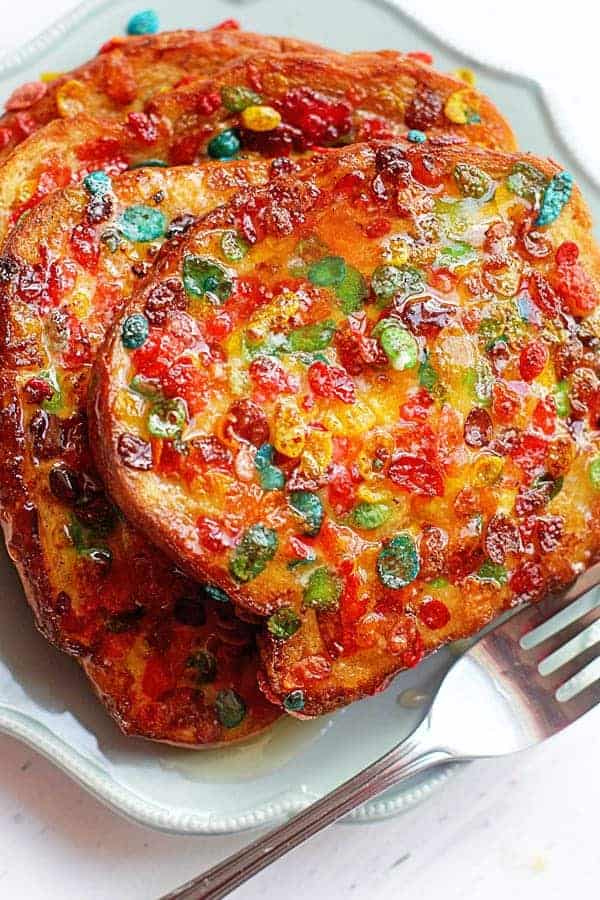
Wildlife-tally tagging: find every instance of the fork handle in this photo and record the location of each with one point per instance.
(413, 756)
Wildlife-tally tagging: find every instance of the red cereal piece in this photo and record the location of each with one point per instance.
(434, 614)
(533, 359)
(421, 56)
(415, 475)
(26, 95)
(332, 382)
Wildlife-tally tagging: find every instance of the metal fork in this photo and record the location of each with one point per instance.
(521, 683)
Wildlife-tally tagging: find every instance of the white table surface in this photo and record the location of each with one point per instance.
(521, 827)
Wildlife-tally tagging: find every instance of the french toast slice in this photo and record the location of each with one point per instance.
(127, 72)
(389, 94)
(168, 658)
(281, 104)
(369, 408)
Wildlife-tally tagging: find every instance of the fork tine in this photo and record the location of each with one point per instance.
(567, 639)
(563, 622)
(584, 687)
(523, 625)
(572, 668)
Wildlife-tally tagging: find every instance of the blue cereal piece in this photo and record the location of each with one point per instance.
(141, 223)
(97, 182)
(143, 22)
(416, 136)
(556, 195)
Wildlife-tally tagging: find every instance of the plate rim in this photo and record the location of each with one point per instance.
(90, 774)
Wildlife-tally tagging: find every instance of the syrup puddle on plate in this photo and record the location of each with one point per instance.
(256, 757)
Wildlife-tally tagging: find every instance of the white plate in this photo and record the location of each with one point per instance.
(44, 698)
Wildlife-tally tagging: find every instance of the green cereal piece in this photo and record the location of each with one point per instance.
(284, 623)
(236, 97)
(167, 418)
(327, 272)
(428, 377)
(453, 257)
(390, 281)
(230, 708)
(398, 563)
(202, 277)
(489, 571)
(54, 403)
(561, 398)
(310, 338)
(526, 181)
(471, 180)
(255, 550)
(323, 590)
(371, 515)
(594, 473)
(397, 343)
(352, 291)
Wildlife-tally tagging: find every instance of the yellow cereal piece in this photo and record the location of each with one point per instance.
(238, 380)
(26, 190)
(458, 108)
(371, 495)
(388, 97)
(487, 470)
(289, 429)
(47, 77)
(80, 304)
(506, 281)
(466, 75)
(274, 317)
(397, 251)
(260, 118)
(128, 407)
(592, 322)
(506, 502)
(502, 197)
(350, 419)
(71, 98)
(318, 452)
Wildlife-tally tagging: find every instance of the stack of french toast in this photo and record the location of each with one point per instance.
(299, 372)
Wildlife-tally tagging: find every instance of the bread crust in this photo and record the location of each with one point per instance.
(384, 90)
(387, 94)
(128, 71)
(98, 590)
(168, 504)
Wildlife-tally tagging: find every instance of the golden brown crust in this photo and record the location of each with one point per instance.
(387, 94)
(122, 78)
(168, 503)
(390, 93)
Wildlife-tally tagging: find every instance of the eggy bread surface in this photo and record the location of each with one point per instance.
(363, 401)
